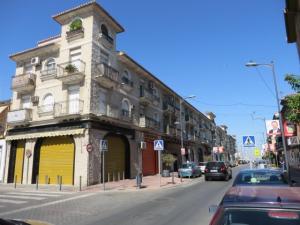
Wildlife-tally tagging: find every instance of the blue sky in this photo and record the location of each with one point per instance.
(195, 47)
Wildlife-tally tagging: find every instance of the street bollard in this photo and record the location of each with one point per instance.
(118, 176)
(180, 178)
(60, 183)
(46, 179)
(113, 176)
(37, 182)
(123, 175)
(57, 179)
(80, 183)
(16, 181)
(108, 177)
(173, 182)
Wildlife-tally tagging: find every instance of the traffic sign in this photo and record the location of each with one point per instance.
(248, 141)
(182, 151)
(158, 145)
(257, 152)
(103, 145)
(89, 147)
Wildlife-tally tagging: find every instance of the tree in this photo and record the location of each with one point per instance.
(292, 102)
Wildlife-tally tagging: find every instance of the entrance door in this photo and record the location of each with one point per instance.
(56, 159)
(73, 100)
(19, 162)
(149, 157)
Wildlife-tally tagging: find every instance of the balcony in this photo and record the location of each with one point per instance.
(189, 120)
(146, 97)
(106, 40)
(168, 109)
(68, 108)
(75, 34)
(48, 74)
(23, 83)
(46, 110)
(148, 122)
(17, 117)
(71, 72)
(127, 84)
(106, 76)
(126, 115)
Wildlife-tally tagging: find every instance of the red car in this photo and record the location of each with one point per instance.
(259, 205)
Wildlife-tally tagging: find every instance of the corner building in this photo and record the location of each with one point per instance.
(74, 89)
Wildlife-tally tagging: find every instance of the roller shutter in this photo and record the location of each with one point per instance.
(19, 163)
(115, 157)
(56, 159)
(149, 159)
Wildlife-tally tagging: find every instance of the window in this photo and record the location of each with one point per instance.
(28, 68)
(126, 77)
(104, 30)
(48, 103)
(125, 108)
(50, 64)
(76, 24)
(104, 57)
(156, 117)
(25, 101)
(75, 57)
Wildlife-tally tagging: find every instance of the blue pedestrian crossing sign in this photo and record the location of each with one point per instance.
(248, 141)
(103, 145)
(158, 145)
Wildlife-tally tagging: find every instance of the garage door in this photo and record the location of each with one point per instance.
(115, 156)
(149, 160)
(56, 159)
(19, 163)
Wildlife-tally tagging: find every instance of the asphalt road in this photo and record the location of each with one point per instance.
(183, 205)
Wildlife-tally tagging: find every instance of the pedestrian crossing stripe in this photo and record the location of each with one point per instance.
(159, 145)
(248, 141)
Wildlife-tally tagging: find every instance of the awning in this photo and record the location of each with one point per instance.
(45, 134)
(2, 108)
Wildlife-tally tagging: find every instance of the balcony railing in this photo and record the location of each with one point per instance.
(106, 40)
(126, 84)
(106, 75)
(75, 34)
(46, 110)
(66, 108)
(167, 108)
(149, 122)
(71, 72)
(20, 116)
(23, 83)
(48, 74)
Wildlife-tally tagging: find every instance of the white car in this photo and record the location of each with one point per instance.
(202, 166)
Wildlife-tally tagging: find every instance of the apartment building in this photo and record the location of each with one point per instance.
(4, 108)
(76, 88)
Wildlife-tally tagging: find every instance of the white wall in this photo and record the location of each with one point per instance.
(2, 158)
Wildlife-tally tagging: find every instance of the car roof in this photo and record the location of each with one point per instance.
(260, 170)
(263, 196)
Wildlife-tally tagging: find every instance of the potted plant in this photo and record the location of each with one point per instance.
(168, 161)
(70, 68)
(76, 25)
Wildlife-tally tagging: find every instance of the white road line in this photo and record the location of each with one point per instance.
(46, 204)
(50, 192)
(22, 197)
(34, 194)
(12, 201)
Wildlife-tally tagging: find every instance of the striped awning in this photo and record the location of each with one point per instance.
(45, 134)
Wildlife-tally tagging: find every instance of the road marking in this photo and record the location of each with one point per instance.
(46, 204)
(22, 197)
(12, 201)
(50, 192)
(34, 194)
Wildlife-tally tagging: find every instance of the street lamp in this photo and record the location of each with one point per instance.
(271, 65)
(181, 124)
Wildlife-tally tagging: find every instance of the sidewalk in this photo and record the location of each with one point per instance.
(149, 183)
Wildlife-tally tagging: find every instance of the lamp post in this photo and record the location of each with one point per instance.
(181, 124)
(271, 65)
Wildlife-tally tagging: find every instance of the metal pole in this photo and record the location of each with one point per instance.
(37, 182)
(280, 118)
(80, 183)
(181, 131)
(159, 167)
(103, 170)
(16, 181)
(27, 170)
(60, 183)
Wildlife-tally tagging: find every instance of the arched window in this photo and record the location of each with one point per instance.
(104, 30)
(126, 77)
(76, 24)
(125, 108)
(50, 64)
(48, 103)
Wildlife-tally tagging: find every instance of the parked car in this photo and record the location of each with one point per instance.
(232, 164)
(202, 166)
(253, 177)
(218, 170)
(189, 170)
(259, 205)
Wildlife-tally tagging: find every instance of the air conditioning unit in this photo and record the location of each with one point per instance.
(34, 99)
(35, 61)
(143, 145)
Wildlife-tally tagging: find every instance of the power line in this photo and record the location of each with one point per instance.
(264, 81)
(234, 104)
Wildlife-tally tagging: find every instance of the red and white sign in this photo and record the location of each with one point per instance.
(289, 129)
(89, 148)
(221, 149)
(182, 151)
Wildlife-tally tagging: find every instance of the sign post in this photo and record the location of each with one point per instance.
(159, 146)
(103, 149)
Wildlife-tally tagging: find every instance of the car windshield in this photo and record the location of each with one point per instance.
(202, 164)
(260, 178)
(187, 166)
(259, 217)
